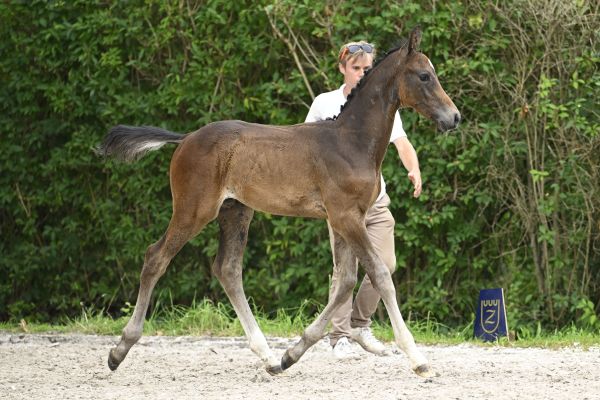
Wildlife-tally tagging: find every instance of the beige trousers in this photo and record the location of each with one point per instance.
(380, 227)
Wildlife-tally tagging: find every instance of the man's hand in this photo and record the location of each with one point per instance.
(409, 159)
(415, 178)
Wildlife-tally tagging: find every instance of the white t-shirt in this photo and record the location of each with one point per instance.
(328, 105)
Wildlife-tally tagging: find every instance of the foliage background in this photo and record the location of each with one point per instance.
(511, 199)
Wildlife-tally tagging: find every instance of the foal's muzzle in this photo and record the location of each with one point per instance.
(448, 121)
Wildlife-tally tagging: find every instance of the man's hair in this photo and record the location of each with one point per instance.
(344, 55)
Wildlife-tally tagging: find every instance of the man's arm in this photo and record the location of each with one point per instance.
(409, 159)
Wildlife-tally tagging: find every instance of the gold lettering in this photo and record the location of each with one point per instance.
(491, 315)
(491, 303)
(490, 312)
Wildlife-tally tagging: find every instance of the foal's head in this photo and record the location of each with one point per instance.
(420, 89)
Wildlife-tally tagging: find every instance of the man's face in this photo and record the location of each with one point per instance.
(355, 68)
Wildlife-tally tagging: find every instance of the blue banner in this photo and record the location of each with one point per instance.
(490, 318)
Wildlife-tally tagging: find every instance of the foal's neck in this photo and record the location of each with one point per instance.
(369, 114)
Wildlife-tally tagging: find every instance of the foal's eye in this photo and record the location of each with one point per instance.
(424, 77)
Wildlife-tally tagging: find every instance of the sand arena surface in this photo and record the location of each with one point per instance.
(74, 367)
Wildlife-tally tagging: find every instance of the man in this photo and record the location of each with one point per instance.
(353, 321)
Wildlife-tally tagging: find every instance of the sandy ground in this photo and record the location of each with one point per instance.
(74, 367)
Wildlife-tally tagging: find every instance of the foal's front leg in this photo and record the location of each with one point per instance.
(347, 269)
(356, 234)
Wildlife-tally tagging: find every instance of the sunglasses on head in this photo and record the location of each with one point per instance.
(353, 48)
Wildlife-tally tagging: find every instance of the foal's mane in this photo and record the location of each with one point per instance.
(403, 43)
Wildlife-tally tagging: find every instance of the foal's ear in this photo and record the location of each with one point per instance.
(414, 40)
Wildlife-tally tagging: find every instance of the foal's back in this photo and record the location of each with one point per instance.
(283, 170)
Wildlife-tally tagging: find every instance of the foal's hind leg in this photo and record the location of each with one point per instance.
(183, 227)
(346, 267)
(234, 219)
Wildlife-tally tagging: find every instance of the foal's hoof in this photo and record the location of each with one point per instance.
(425, 371)
(286, 362)
(113, 364)
(274, 369)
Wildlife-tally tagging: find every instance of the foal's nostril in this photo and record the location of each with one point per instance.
(456, 118)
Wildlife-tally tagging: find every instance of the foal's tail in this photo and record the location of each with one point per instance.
(129, 143)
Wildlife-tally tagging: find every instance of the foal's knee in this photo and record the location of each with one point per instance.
(226, 273)
(227, 269)
(381, 279)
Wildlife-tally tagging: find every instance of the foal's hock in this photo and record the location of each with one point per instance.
(328, 169)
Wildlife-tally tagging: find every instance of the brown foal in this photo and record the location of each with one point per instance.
(328, 169)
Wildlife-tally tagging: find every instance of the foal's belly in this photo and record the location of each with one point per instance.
(280, 202)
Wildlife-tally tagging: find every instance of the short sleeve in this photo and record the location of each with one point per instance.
(397, 129)
(314, 113)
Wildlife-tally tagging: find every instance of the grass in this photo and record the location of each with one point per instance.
(208, 319)
(435, 333)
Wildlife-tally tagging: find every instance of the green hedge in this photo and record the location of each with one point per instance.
(511, 199)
